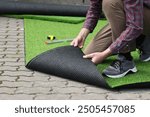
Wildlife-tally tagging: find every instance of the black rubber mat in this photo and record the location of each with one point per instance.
(67, 62)
(19, 7)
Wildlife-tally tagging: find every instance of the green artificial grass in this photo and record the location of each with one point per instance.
(64, 19)
(36, 32)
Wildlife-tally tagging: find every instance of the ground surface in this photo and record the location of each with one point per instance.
(16, 82)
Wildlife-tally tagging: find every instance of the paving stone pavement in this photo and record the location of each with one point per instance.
(17, 82)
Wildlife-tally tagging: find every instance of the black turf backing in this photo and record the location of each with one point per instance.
(68, 62)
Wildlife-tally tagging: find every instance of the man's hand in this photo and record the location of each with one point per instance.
(98, 57)
(80, 39)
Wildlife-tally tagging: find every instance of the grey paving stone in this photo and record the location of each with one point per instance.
(16, 84)
(8, 78)
(91, 96)
(9, 39)
(14, 63)
(2, 32)
(20, 34)
(9, 59)
(2, 36)
(4, 28)
(20, 46)
(35, 90)
(10, 53)
(1, 72)
(4, 68)
(13, 49)
(9, 46)
(17, 73)
(52, 97)
(49, 84)
(14, 37)
(22, 68)
(11, 28)
(40, 74)
(5, 90)
(70, 90)
(2, 63)
(33, 79)
(22, 60)
(2, 43)
(123, 96)
(3, 24)
(2, 49)
(16, 97)
(14, 56)
(75, 84)
(145, 96)
(15, 43)
(96, 90)
(55, 78)
(13, 34)
(2, 55)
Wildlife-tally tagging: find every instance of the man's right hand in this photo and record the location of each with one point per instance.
(80, 39)
(78, 42)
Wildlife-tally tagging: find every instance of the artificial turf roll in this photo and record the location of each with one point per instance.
(68, 62)
(18, 7)
(36, 32)
(63, 19)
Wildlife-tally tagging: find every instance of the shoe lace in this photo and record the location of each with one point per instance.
(116, 64)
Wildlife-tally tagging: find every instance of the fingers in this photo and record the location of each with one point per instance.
(77, 42)
(81, 44)
(74, 43)
(89, 56)
(92, 57)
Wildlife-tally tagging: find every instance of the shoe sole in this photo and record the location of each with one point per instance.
(146, 60)
(134, 70)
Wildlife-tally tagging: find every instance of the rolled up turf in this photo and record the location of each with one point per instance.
(36, 32)
(63, 19)
(16, 7)
(68, 62)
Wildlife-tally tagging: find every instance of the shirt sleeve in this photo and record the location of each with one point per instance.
(134, 25)
(93, 15)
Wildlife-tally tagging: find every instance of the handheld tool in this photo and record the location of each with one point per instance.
(51, 37)
(58, 41)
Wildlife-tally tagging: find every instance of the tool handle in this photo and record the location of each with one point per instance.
(58, 41)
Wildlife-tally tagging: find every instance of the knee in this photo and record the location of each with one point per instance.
(109, 6)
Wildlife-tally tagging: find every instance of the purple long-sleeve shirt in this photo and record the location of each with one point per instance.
(134, 21)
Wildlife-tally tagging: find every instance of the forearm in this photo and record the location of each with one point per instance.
(134, 25)
(93, 15)
(125, 39)
(107, 52)
(84, 33)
